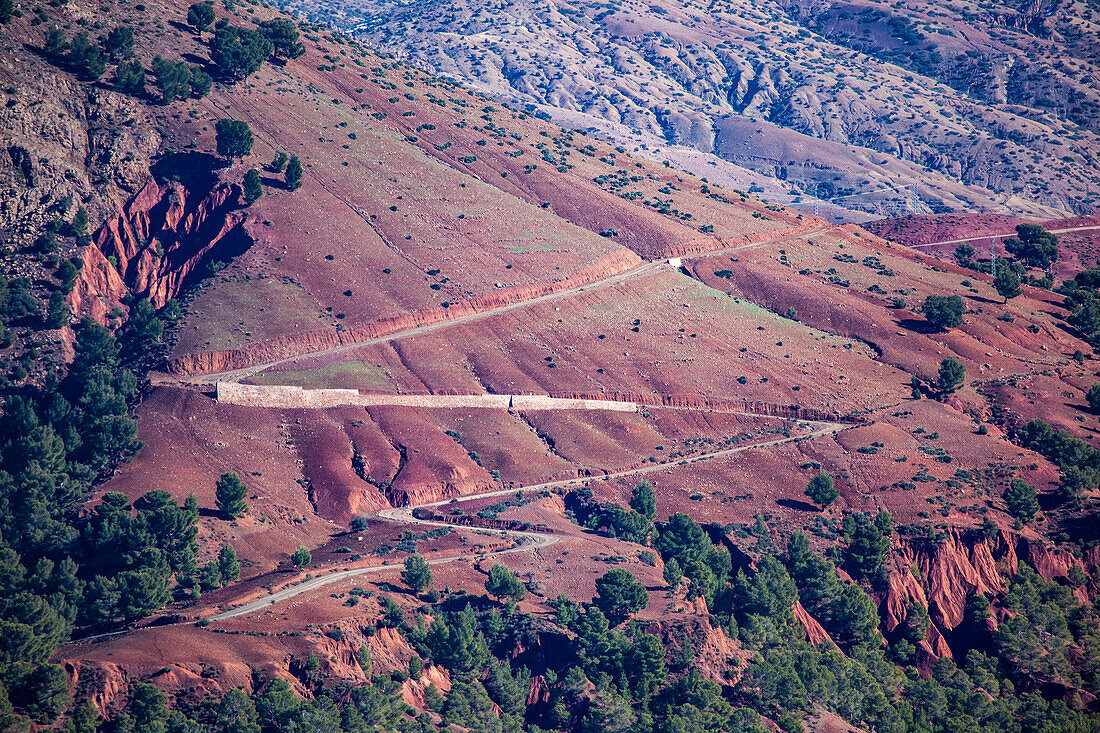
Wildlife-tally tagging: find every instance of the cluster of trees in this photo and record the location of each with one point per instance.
(234, 140)
(1032, 247)
(240, 52)
(236, 52)
(633, 525)
(20, 307)
(62, 569)
(1077, 461)
(174, 80)
(608, 678)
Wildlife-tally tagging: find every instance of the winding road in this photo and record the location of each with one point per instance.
(529, 541)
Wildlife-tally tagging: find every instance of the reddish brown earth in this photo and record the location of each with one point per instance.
(1078, 249)
(688, 342)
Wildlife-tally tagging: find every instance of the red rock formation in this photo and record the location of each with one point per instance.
(951, 570)
(815, 632)
(957, 566)
(412, 691)
(165, 232)
(99, 288)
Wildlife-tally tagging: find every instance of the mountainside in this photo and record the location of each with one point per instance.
(340, 396)
(978, 105)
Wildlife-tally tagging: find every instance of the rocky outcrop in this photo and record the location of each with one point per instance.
(99, 288)
(949, 570)
(314, 341)
(166, 232)
(941, 575)
(815, 632)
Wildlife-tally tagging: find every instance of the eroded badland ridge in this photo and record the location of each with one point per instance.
(340, 396)
(880, 107)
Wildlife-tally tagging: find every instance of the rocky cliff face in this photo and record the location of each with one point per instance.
(66, 147)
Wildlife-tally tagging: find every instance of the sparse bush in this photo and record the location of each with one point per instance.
(301, 557)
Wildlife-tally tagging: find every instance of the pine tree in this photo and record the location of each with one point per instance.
(1093, 397)
(644, 501)
(301, 557)
(1006, 282)
(283, 35)
(951, 375)
(173, 79)
(234, 138)
(252, 188)
(503, 583)
(230, 495)
(119, 42)
(130, 78)
(1021, 500)
(201, 82)
(822, 490)
(619, 594)
(7, 10)
(943, 311)
(200, 15)
(293, 173)
(79, 225)
(673, 573)
(58, 313)
(55, 42)
(228, 563)
(417, 575)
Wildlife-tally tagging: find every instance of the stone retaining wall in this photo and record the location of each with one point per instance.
(251, 395)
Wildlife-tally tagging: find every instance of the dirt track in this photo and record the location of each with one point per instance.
(1001, 235)
(530, 541)
(643, 270)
